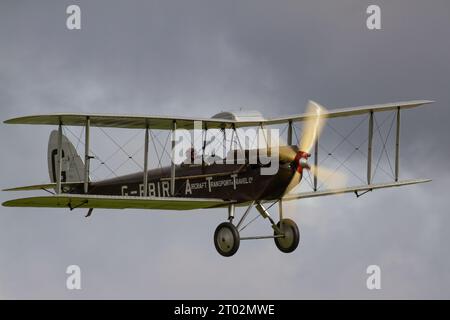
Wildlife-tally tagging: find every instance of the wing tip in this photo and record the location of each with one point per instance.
(426, 101)
(8, 203)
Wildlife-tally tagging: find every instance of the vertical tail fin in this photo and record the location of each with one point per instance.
(72, 165)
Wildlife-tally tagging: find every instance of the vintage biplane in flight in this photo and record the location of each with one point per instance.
(194, 186)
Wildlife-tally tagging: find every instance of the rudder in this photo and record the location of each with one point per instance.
(72, 165)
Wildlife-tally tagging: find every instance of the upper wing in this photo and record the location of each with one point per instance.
(354, 111)
(73, 201)
(166, 123)
(119, 121)
(369, 187)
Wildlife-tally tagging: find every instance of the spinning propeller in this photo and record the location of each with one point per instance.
(299, 156)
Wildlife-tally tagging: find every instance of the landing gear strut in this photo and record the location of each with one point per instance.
(227, 236)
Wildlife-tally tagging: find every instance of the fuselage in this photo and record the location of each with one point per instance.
(239, 182)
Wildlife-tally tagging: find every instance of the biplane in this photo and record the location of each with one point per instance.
(222, 185)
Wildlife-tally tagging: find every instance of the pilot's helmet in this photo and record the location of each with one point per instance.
(191, 154)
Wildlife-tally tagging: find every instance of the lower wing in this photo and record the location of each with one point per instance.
(73, 201)
(368, 187)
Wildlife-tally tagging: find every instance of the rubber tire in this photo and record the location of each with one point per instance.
(290, 228)
(230, 230)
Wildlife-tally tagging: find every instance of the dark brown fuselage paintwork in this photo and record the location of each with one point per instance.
(239, 182)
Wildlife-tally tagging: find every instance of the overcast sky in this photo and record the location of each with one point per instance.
(197, 58)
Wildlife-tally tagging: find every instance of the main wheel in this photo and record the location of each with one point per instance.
(226, 239)
(291, 238)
